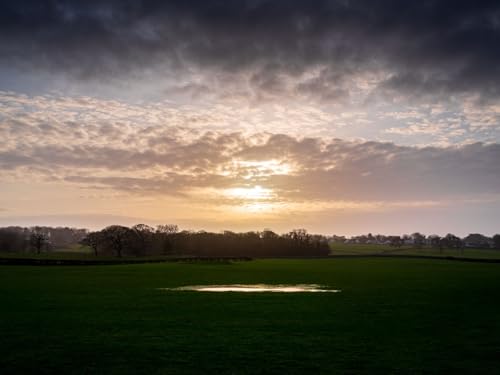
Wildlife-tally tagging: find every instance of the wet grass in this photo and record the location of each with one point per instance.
(392, 316)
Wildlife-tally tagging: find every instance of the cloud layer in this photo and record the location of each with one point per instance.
(58, 139)
(328, 48)
(292, 106)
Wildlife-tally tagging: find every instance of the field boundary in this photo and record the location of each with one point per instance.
(221, 260)
(408, 256)
(110, 262)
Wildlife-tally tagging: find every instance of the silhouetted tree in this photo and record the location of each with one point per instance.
(452, 242)
(117, 237)
(38, 239)
(396, 241)
(496, 241)
(13, 239)
(300, 240)
(64, 236)
(143, 238)
(94, 240)
(418, 240)
(435, 242)
(477, 240)
(165, 235)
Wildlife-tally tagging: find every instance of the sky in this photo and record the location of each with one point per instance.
(338, 116)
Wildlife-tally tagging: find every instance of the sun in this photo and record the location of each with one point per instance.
(255, 193)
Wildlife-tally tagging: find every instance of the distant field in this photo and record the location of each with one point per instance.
(84, 252)
(360, 249)
(74, 249)
(393, 316)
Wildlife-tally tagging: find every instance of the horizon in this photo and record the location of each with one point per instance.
(132, 223)
(251, 114)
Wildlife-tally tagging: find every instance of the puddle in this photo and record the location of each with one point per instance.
(299, 288)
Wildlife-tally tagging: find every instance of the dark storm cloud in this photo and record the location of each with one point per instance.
(423, 47)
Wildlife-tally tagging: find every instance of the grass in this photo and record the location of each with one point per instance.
(79, 252)
(367, 249)
(408, 316)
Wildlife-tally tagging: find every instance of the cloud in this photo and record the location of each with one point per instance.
(144, 151)
(331, 49)
(91, 221)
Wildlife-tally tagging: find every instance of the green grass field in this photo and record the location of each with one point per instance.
(363, 249)
(407, 316)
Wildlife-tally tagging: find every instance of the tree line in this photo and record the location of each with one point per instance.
(39, 238)
(144, 240)
(419, 240)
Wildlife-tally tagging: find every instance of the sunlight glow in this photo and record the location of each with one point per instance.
(245, 288)
(262, 168)
(254, 193)
(258, 207)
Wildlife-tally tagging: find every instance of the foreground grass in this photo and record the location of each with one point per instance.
(393, 316)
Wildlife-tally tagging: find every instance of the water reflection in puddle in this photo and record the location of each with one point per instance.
(300, 288)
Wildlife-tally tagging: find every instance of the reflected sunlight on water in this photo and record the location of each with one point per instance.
(299, 288)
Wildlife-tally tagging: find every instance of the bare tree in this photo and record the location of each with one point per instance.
(167, 234)
(496, 241)
(167, 229)
(435, 242)
(94, 240)
(396, 241)
(143, 235)
(38, 239)
(117, 237)
(418, 240)
(452, 242)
